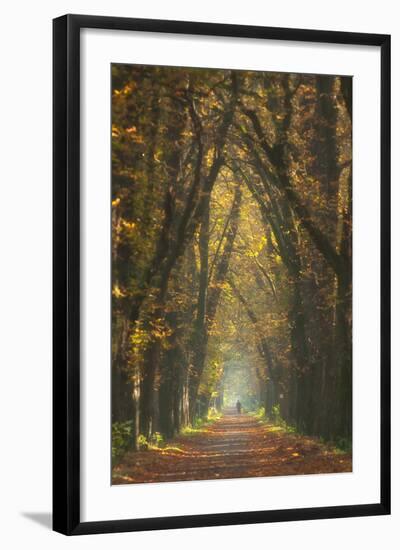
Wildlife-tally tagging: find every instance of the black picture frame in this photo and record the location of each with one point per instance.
(66, 273)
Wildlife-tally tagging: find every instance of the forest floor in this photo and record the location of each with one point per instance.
(233, 446)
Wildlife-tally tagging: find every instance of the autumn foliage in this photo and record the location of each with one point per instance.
(231, 249)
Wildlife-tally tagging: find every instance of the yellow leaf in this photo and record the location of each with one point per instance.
(117, 292)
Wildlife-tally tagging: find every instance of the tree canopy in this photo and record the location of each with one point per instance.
(231, 247)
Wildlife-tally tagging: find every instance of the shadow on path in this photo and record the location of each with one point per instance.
(236, 445)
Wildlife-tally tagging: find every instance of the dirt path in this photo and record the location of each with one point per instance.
(234, 446)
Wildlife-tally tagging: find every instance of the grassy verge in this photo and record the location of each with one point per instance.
(200, 425)
(122, 436)
(276, 423)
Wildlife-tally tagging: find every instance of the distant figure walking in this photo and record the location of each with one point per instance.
(238, 406)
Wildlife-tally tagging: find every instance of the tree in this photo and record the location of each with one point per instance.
(231, 245)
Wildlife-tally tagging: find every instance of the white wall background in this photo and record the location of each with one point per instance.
(25, 289)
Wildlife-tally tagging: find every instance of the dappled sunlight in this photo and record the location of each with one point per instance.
(231, 214)
(234, 446)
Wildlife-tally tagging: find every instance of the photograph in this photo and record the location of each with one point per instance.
(231, 274)
(200, 266)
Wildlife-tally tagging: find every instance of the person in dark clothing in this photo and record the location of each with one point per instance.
(238, 406)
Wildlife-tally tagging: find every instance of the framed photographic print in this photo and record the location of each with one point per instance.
(221, 274)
